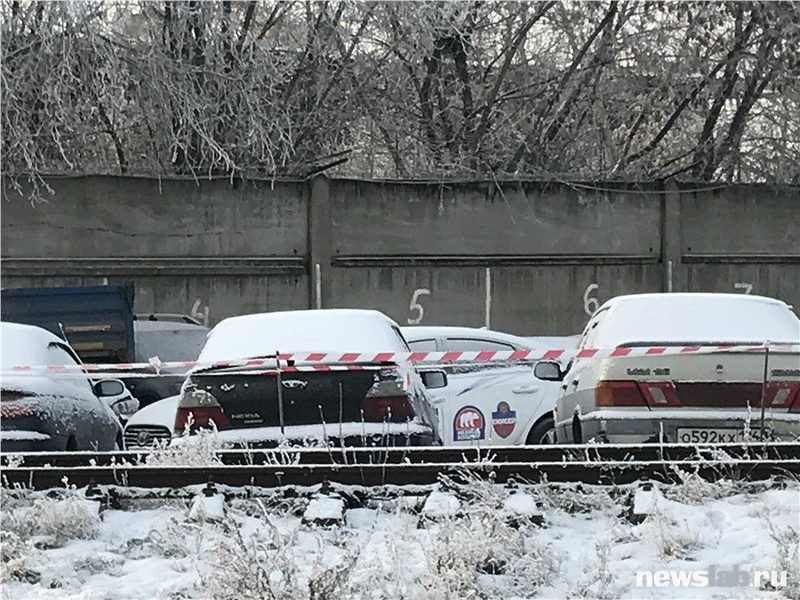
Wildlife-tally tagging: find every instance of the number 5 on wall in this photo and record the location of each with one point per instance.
(414, 305)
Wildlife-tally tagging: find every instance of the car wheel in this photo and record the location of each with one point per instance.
(544, 432)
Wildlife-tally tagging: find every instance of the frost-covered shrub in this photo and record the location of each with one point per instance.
(19, 558)
(672, 538)
(391, 564)
(787, 541)
(332, 582)
(693, 489)
(174, 540)
(198, 450)
(484, 542)
(599, 585)
(100, 562)
(52, 522)
(263, 565)
(458, 552)
(573, 499)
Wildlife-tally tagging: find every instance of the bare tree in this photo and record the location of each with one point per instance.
(612, 89)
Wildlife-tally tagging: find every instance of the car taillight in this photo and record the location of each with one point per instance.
(387, 399)
(11, 406)
(659, 393)
(792, 399)
(203, 408)
(390, 408)
(618, 393)
(783, 394)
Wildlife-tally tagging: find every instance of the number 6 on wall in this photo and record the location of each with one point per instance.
(590, 303)
(414, 305)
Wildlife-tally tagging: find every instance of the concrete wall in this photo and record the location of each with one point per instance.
(526, 257)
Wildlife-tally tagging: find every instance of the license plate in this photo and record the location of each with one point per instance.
(709, 436)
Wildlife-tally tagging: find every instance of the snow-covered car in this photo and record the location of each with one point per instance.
(52, 410)
(170, 338)
(384, 403)
(427, 338)
(690, 387)
(153, 423)
(492, 403)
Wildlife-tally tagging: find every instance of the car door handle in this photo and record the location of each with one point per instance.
(526, 389)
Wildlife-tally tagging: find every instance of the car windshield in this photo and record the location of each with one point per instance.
(697, 318)
(301, 331)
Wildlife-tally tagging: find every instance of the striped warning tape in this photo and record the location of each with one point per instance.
(349, 360)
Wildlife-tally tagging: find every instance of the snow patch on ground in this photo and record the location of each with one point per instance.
(56, 547)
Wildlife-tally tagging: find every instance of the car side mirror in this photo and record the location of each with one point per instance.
(125, 407)
(434, 380)
(108, 387)
(548, 370)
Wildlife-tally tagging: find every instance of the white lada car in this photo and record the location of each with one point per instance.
(674, 376)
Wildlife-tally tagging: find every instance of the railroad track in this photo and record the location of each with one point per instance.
(591, 464)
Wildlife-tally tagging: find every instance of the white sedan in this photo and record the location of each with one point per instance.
(384, 403)
(673, 376)
(493, 403)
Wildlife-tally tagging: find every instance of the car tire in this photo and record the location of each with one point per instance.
(543, 432)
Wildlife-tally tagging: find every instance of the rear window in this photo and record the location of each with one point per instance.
(423, 345)
(700, 318)
(474, 344)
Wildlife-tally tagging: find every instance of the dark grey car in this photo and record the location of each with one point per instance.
(45, 411)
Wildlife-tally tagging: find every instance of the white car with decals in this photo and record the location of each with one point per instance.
(492, 403)
(686, 387)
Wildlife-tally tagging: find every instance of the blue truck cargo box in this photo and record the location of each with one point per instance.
(97, 320)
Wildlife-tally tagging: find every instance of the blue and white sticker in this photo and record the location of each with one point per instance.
(504, 420)
(469, 424)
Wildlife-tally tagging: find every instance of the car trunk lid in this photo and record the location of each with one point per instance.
(298, 397)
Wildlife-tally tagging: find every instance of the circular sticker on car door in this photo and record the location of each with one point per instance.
(504, 420)
(469, 424)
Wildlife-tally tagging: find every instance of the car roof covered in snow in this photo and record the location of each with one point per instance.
(695, 317)
(24, 344)
(329, 330)
(424, 332)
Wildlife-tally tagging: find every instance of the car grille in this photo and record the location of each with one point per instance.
(145, 436)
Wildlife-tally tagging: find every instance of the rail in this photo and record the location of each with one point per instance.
(590, 464)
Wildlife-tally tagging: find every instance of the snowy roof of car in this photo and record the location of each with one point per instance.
(696, 317)
(24, 344)
(329, 330)
(422, 332)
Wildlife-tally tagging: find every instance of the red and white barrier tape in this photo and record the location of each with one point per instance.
(322, 361)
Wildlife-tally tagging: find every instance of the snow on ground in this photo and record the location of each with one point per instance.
(57, 547)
